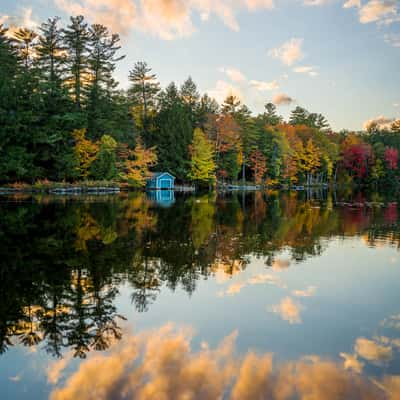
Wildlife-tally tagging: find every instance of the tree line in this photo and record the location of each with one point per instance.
(63, 117)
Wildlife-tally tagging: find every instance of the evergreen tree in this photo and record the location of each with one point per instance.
(51, 53)
(54, 148)
(174, 133)
(26, 130)
(190, 96)
(248, 134)
(101, 65)
(207, 107)
(12, 154)
(231, 105)
(270, 116)
(76, 37)
(26, 40)
(143, 92)
(322, 123)
(299, 116)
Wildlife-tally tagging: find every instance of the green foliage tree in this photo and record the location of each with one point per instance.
(173, 133)
(105, 164)
(202, 164)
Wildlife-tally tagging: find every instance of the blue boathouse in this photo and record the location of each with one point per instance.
(161, 180)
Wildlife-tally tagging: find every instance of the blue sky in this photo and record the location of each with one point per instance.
(337, 57)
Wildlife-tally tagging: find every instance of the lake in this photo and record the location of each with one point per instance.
(272, 295)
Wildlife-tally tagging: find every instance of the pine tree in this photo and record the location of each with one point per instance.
(101, 65)
(299, 116)
(143, 91)
(51, 52)
(26, 40)
(248, 133)
(190, 94)
(13, 157)
(173, 133)
(231, 105)
(207, 108)
(190, 97)
(76, 37)
(270, 115)
(322, 123)
(53, 152)
(202, 164)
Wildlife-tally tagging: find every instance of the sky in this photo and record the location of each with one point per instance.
(340, 58)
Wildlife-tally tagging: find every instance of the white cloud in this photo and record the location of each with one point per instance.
(378, 10)
(289, 52)
(263, 86)
(352, 3)
(309, 70)
(288, 310)
(282, 99)
(167, 19)
(118, 15)
(380, 122)
(224, 89)
(233, 74)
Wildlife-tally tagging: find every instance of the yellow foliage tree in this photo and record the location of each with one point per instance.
(85, 152)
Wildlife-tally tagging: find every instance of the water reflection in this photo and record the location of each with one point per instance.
(163, 198)
(63, 261)
(162, 364)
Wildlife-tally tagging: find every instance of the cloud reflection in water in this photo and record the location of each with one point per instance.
(161, 364)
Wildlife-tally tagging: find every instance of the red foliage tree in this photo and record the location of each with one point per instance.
(356, 158)
(391, 157)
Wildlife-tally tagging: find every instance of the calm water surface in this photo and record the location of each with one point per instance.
(262, 296)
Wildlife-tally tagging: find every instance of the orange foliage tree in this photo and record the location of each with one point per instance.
(136, 163)
(258, 166)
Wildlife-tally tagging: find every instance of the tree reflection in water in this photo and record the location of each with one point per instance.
(63, 261)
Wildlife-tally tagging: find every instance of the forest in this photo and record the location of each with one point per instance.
(64, 118)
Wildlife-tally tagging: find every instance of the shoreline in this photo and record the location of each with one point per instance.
(104, 187)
